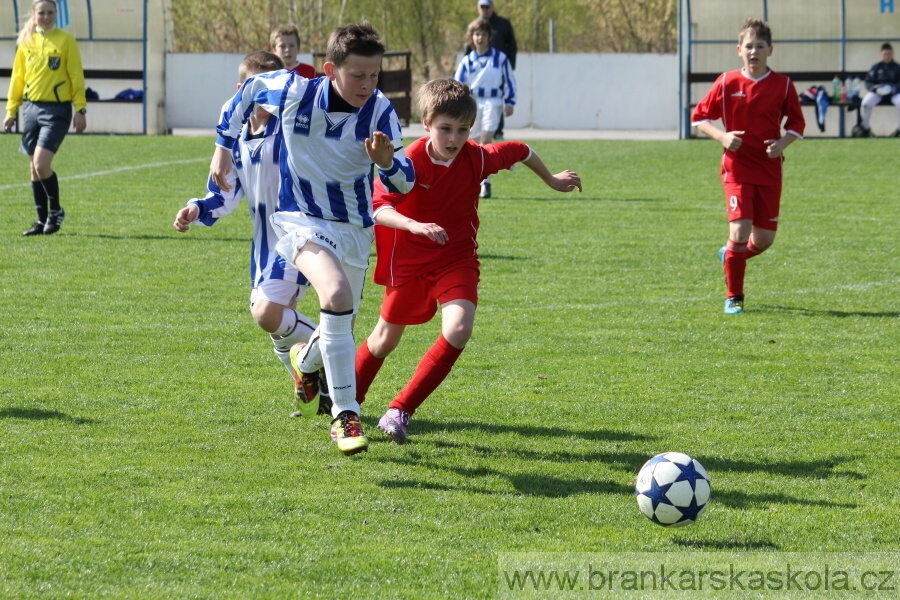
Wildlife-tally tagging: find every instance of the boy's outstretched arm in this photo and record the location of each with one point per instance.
(391, 218)
(566, 181)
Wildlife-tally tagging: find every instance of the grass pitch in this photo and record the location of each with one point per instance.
(146, 447)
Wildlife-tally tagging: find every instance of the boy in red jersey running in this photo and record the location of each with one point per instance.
(752, 103)
(426, 247)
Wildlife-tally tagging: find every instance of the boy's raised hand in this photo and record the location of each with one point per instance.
(567, 181)
(380, 150)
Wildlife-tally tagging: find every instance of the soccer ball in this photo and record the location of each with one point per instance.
(672, 489)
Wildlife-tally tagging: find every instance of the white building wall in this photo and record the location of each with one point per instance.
(556, 91)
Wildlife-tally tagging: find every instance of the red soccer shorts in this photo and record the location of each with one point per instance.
(760, 203)
(416, 301)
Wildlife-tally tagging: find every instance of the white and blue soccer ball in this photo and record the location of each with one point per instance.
(672, 489)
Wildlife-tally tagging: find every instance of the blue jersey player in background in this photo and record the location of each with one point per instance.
(277, 285)
(335, 127)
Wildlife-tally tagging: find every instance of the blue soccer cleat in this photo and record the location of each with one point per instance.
(734, 306)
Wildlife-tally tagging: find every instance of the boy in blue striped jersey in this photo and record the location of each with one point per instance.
(489, 75)
(277, 285)
(335, 127)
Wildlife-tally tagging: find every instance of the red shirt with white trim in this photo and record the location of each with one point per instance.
(445, 193)
(758, 107)
(304, 70)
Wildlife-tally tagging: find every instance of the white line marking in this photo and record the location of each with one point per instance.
(110, 172)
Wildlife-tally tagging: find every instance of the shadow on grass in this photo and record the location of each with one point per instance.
(482, 479)
(744, 500)
(427, 426)
(38, 414)
(808, 312)
(816, 469)
(548, 486)
(500, 257)
(726, 544)
(544, 486)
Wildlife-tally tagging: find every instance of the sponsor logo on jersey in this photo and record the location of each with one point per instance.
(739, 95)
(301, 124)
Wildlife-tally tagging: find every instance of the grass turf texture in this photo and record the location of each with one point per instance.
(147, 450)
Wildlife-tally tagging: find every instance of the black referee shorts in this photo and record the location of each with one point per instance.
(44, 124)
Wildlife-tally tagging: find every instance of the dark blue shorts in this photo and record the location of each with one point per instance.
(44, 124)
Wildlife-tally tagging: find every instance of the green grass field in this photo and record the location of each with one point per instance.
(147, 450)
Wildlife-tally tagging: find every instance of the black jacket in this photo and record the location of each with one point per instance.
(503, 38)
(881, 73)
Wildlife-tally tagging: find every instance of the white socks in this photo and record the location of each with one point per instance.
(338, 353)
(294, 328)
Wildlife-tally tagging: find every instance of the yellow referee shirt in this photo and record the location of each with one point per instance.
(47, 70)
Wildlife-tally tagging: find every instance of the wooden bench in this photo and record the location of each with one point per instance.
(811, 78)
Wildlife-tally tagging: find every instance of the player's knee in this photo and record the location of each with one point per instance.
(267, 320)
(336, 296)
(382, 346)
(763, 244)
(458, 334)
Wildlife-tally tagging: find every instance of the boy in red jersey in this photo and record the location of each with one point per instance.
(752, 103)
(426, 247)
(284, 41)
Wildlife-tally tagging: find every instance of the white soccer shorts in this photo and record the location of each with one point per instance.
(488, 116)
(350, 243)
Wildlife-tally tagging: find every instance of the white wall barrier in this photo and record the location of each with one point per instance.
(555, 91)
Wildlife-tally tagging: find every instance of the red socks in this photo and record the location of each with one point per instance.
(735, 267)
(367, 366)
(736, 257)
(432, 370)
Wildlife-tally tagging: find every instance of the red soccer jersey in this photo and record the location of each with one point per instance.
(758, 107)
(304, 70)
(446, 194)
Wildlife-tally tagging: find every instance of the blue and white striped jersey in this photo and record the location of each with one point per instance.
(256, 176)
(488, 75)
(326, 172)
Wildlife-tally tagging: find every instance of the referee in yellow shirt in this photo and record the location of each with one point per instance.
(47, 79)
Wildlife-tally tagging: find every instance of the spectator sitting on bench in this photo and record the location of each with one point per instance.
(883, 79)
